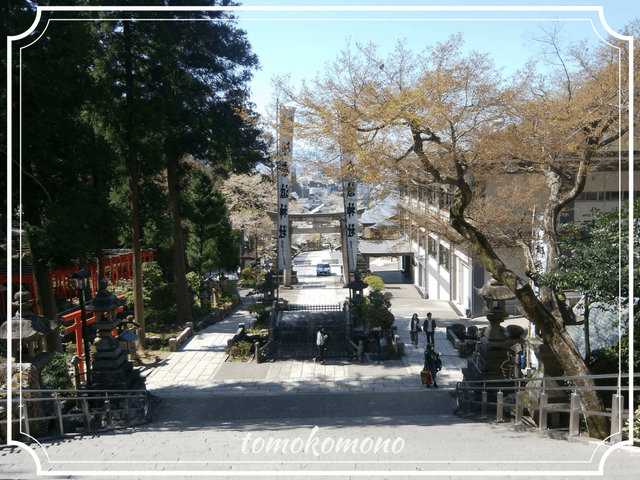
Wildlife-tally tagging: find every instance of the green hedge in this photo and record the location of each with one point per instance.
(375, 283)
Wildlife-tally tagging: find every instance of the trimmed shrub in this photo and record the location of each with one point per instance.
(376, 311)
(375, 283)
(247, 273)
(56, 374)
(241, 350)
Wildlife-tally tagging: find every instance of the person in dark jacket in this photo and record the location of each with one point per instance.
(429, 328)
(431, 363)
(414, 328)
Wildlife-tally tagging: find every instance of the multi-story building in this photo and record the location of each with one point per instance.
(444, 270)
(441, 270)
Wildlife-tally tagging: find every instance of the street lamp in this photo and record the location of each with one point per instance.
(81, 280)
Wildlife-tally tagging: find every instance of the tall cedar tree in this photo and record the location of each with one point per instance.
(206, 211)
(183, 91)
(197, 72)
(67, 167)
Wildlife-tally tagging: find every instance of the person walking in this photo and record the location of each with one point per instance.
(429, 328)
(431, 364)
(415, 329)
(320, 338)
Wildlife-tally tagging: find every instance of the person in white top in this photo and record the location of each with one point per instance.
(320, 338)
(415, 328)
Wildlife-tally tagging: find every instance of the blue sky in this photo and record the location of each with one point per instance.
(300, 42)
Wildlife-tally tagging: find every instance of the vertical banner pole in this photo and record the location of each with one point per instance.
(351, 214)
(285, 133)
(278, 195)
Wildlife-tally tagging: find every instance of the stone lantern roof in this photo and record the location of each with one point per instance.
(27, 327)
(357, 283)
(104, 301)
(495, 290)
(25, 324)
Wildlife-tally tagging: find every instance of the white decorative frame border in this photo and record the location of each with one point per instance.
(600, 470)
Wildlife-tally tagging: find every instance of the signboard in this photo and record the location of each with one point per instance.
(351, 213)
(284, 188)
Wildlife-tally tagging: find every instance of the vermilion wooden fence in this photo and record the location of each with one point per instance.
(116, 268)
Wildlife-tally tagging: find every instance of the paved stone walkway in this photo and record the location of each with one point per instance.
(199, 367)
(214, 413)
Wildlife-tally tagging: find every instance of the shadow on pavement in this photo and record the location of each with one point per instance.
(276, 411)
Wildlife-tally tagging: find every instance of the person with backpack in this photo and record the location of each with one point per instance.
(431, 363)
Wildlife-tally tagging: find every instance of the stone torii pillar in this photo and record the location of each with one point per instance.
(326, 218)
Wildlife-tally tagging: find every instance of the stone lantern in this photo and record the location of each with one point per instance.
(29, 333)
(268, 289)
(356, 288)
(33, 348)
(212, 289)
(492, 348)
(495, 294)
(112, 369)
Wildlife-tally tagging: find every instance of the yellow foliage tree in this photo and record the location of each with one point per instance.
(451, 122)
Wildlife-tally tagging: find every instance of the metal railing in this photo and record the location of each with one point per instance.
(337, 307)
(513, 397)
(97, 409)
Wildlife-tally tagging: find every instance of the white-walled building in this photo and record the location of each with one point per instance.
(440, 269)
(445, 271)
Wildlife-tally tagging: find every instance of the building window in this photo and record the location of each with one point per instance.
(432, 246)
(593, 196)
(444, 258)
(614, 196)
(432, 195)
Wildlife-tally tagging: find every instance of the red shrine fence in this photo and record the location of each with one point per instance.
(116, 268)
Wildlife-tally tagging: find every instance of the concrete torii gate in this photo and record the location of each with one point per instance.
(318, 218)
